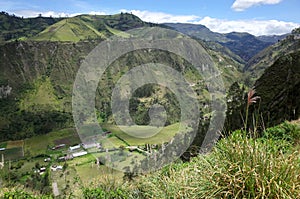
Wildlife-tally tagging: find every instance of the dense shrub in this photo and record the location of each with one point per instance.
(285, 131)
(97, 193)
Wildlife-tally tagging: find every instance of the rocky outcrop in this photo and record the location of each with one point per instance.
(5, 91)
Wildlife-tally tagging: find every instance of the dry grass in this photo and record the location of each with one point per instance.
(238, 167)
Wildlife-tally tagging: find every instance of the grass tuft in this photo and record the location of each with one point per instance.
(238, 167)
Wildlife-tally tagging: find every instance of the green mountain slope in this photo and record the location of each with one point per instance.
(85, 27)
(244, 45)
(198, 31)
(279, 89)
(229, 64)
(73, 29)
(257, 64)
(40, 76)
(37, 75)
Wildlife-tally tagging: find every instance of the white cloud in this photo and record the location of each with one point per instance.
(241, 5)
(255, 27)
(160, 17)
(32, 13)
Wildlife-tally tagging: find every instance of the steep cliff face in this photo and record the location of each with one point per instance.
(24, 62)
(279, 89)
(36, 86)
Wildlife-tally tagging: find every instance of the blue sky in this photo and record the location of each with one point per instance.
(258, 17)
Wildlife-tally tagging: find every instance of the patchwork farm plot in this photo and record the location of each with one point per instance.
(46, 153)
(12, 150)
(12, 153)
(41, 144)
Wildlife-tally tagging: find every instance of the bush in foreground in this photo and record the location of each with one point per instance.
(238, 167)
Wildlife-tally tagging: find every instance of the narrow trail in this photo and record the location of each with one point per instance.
(55, 189)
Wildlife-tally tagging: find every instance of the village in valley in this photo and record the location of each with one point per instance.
(61, 158)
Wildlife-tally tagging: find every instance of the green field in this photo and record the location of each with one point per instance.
(92, 172)
(12, 153)
(166, 134)
(39, 144)
(13, 150)
(112, 142)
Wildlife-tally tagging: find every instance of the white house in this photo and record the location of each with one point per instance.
(89, 145)
(72, 148)
(78, 154)
(55, 168)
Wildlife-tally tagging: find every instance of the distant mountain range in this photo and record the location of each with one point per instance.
(243, 44)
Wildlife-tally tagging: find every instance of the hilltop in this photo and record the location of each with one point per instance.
(86, 27)
(73, 29)
(17, 28)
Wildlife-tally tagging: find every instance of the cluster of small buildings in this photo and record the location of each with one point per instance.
(42, 170)
(74, 151)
